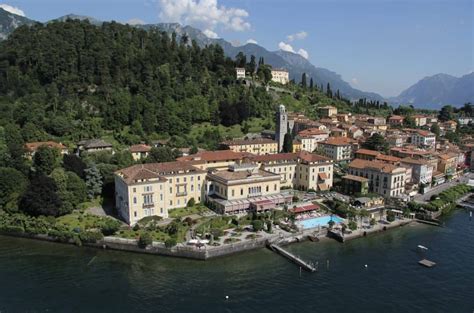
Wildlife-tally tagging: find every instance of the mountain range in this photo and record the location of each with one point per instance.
(430, 92)
(435, 91)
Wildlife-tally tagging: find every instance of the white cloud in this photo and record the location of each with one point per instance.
(252, 41)
(303, 53)
(235, 43)
(11, 9)
(354, 81)
(136, 21)
(285, 47)
(298, 36)
(210, 34)
(205, 14)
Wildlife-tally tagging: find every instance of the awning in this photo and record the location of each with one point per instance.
(323, 187)
(397, 211)
(323, 176)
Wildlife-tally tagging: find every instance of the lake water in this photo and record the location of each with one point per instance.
(45, 277)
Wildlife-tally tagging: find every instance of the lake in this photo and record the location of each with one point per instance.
(40, 276)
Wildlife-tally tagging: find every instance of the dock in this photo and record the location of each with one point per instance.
(427, 263)
(292, 258)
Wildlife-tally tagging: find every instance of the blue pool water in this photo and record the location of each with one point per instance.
(319, 221)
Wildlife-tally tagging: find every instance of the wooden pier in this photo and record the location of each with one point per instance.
(292, 257)
(427, 263)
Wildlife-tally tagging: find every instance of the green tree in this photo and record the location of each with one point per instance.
(435, 129)
(257, 225)
(93, 181)
(12, 185)
(303, 81)
(287, 143)
(376, 142)
(161, 154)
(409, 122)
(446, 113)
(40, 198)
(45, 160)
(16, 147)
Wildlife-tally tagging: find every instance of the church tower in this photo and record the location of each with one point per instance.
(281, 126)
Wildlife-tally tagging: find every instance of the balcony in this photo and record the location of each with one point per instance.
(148, 205)
(181, 194)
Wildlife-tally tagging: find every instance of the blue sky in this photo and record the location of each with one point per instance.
(382, 46)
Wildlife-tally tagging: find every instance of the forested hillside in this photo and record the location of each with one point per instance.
(73, 79)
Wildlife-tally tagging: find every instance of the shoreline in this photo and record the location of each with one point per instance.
(191, 252)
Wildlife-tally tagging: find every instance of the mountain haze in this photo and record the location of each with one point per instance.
(441, 89)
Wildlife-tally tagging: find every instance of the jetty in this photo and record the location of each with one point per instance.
(305, 265)
(427, 263)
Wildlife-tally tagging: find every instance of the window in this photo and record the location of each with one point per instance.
(275, 187)
(135, 213)
(192, 178)
(199, 186)
(171, 189)
(199, 177)
(134, 189)
(148, 188)
(134, 200)
(177, 180)
(171, 180)
(148, 199)
(161, 210)
(241, 191)
(232, 192)
(192, 187)
(161, 197)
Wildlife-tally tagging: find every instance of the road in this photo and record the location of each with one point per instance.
(436, 190)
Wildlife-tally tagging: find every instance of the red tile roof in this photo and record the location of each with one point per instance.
(214, 156)
(140, 148)
(33, 146)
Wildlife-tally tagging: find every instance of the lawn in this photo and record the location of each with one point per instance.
(79, 220)
(181, 212)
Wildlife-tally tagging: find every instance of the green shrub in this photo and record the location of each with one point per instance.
(109, 226)
(145, 240)
(12, 229)
(61, 235)
(352, 225)
(170, 242)
(390, 216)
(257, 225)
(91, 236)
(191, 203)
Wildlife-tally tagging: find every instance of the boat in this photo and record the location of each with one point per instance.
(422, 247)
(313, 238)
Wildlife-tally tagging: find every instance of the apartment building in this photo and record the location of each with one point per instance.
(422, 171)
(385, 179)
(301, 170)
(328, 111)
(423, 138)
(255, 146)
(140, 151)
(152, 189)
(339, 148)
(281, 76)
(396, 120)
(240, 72)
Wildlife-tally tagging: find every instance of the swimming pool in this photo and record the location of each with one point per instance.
(319, 221)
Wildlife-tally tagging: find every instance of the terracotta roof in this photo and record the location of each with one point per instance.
(155, 170)
(312, 132)
(387, 158)
(305, 208)
(414, 161)
(323, 176)
(214, 156)
(368, 152)
(338, 141)
(312, 157)
(140, 148)
(356, 178)
(275, 157)
(239, 175)
(241, 142)
(33, 146)
(377, 165)
(396, 117)
(424, 133)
